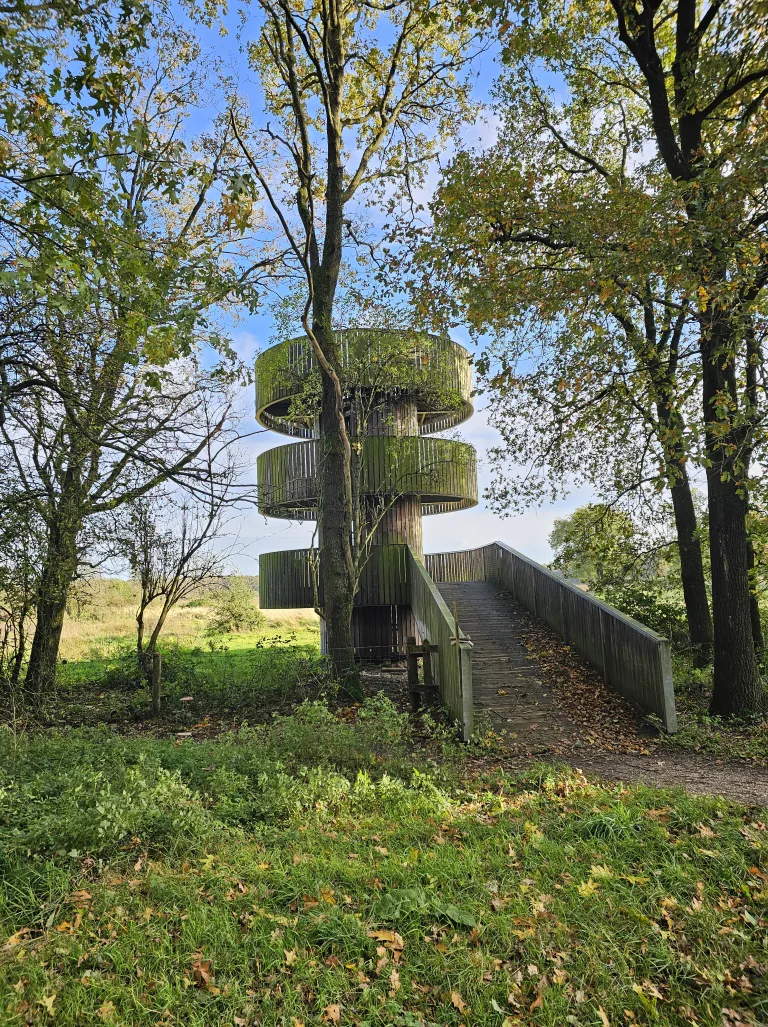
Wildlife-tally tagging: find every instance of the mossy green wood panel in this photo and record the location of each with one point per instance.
(286, 579)
(433, 369)
(452, 664)
(442, 472)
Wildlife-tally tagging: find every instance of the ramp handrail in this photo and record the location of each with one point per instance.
(452, 664)
(634, 660)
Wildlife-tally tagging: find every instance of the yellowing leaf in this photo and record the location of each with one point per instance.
(458, 1001)
(47, 1003)
(599, 870)
(290, 956)
(332, 1013)
(588, 888)
(326, 894)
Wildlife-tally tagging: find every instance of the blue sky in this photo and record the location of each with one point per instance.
(466, 529)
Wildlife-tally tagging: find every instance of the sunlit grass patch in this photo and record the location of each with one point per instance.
(327, 882)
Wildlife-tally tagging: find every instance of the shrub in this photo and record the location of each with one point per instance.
(234, 609)
(68, 811)
(659, 609)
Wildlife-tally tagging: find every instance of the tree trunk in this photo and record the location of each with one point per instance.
(672, 423)
(692, 569)
(736, 689)
(152, 644)
(754, 602)
(335, 530)
(21, 647)
(140, 630)
(58, 571)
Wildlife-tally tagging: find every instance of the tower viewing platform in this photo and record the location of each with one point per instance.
(400, 388)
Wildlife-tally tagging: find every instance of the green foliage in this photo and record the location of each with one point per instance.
(656, 605)
(87, 792)
(597, 544)
(197, 683)
(85, 810)
(235, 609)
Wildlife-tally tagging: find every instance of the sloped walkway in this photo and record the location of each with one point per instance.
(508, 685)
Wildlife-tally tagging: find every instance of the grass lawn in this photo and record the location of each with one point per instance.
(308, 872)
(221, 677)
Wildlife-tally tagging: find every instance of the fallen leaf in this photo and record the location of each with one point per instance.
(390, 938)
(332, 1013)
(603, 1017)
(106, 1011)
(201, 971)
(588, 888)
(458, 1001)
(290, 956)
(599, 870)
(47, 1003)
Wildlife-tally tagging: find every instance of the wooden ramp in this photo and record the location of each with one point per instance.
(507, 685)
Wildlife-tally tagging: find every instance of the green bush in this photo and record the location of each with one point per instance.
(234, 609)
(660, 609)
(79, 809)
(92, 792)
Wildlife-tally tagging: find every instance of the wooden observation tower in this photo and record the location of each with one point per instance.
(400, 388)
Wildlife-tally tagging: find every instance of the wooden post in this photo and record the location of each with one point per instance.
(458, 647)
(428, 680)
(412, 664)
(157, 663)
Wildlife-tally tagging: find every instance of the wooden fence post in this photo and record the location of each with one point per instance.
(412, 665)
(428, 680)
(157, 663)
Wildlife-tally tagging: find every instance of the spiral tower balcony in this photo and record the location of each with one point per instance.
(412, 385)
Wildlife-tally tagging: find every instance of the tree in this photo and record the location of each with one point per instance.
(104, 393)
(172, 542)
(359, 99)
(603, 396)
(651, 168)
(234, 609)
(597, 544)
(21, 539)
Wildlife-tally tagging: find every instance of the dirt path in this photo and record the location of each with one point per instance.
(700, 775)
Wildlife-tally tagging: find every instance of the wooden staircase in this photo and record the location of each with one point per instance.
(506, 682)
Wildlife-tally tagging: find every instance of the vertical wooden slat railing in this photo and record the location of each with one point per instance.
(633, 660)
(452, 663)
